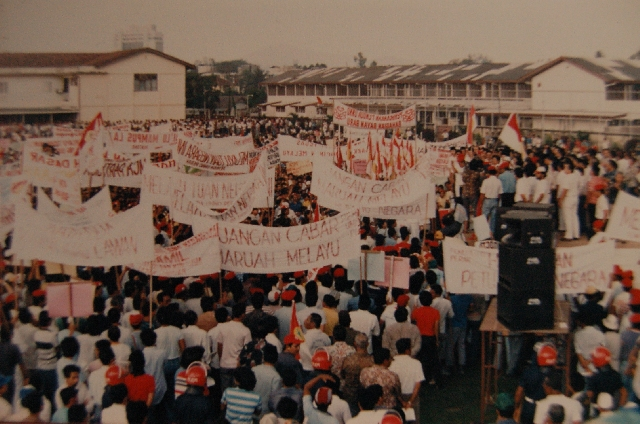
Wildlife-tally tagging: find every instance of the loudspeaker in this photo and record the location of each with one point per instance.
(525, 229)
(548, 208)
(530, 309)
(528, 268)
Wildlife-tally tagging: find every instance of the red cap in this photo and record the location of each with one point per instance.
(403, 300)
(547, 356)
(598, 224)
(600, 186)
(114, 375)
(338, 272)
(324, 270)
(617, 270)
(196, 375)
(460, 157)
(627, 282)
(39, 293)
(135, 319)
(180, 288)
(291, 339)
(627, 274)
(321, 360)
(391, 417)
(323, 396)
(504, 165)
(298, 274)
(254, 290)
(288, 295)
(635, 297)
(10, 298)
(229, 275)
(600, 356)
(634, 318)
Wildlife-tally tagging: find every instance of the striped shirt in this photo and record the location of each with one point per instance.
(241, 405)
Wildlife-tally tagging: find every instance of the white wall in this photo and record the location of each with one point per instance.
(37, 91)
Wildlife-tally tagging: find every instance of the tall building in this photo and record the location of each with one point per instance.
(137, 37)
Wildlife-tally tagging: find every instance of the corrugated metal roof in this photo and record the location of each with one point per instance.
(608, 70)
(63, 60)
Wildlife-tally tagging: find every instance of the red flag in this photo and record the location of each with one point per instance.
(471, 125)
(295, 328)
(379, 167)
(399, 158)
(316, 213)
(511, 136)
(94, 125)
(319, 100)
(339, 159)
(412, 160)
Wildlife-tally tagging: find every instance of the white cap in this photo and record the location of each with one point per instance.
(611, 322)
(605, 401)
(541, 169)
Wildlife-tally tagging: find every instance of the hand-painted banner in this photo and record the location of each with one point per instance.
(45, 158)
(580, 267)
(624, 223)
(421, 209)
(96, 210)
(60, 131)
(136, 142)
(350, 117)
(229, 154)
(198, 255)
(294, 149)
(439, 161)
(300, 167)
(124, 173)
(339, 190)
(256, 249)
(70, 299)
(470, 270)
(123, 238)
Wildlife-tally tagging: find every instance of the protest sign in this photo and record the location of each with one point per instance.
(46, 158)
(229, 154)
(136, 142)
(299, 167)
(125, 172)
(294, 149)
(70, 299)
(125, 237)
(580, 267)
(256, 249)
(624, 223)
(470, 270)
(60, 131)
(420, 210)
(198, 255)
(350, 117)
(396, 273)
(369, 266)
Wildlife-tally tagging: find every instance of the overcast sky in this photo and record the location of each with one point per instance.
(284, 32)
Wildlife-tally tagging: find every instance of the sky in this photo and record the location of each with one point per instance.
(303, 32)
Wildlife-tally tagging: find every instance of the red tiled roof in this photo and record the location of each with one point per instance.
(60, 60)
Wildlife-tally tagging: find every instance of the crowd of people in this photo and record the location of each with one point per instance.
(226, 348)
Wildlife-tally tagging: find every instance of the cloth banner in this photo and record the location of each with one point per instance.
(470, 270)
(46, 158)
(11, 154)
(299, 167)
(624, 223)
(339, 190)
(96, 210)
(420, 210)
(396, 273)
(126, 172)
(350, 117)
(136, 142)
(125, 237)
(60, 131)
(293, 149)
(256, 249)
(10, 190)
(70, 299)
(198, 255)
(228, 154)
(580, 267)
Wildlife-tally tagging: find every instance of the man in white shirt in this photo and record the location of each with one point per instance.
(364, 321)
(194, 335)
(568, 193)
(542, 190)
(368, 399)
(552, 386)
(314, 339)
(232, 337)
(411, 375)
(490, 192)
(117, 412)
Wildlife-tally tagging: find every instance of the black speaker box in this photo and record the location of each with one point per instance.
(525, 229)
(525, 309)
(549, 209)
(530, 268)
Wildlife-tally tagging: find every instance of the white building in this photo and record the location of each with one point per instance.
(133, 84)
(140, 37)
(555, 97)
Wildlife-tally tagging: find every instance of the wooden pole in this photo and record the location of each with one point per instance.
(151, 296)
(361, 274)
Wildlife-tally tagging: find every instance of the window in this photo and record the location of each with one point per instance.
(635, 92)
(280, 109)
(444, 90)
(354, 89)
(290, 90)
(416, 90)
(331, 90)
(272, 90)
(342, 90)
(4, 87)
(491, 91)
(459, 90)
(299, 90)
(375, 90)
(310, 90)
(615, 92)
(475, 90)
(321, 110)
(319, 90)
(390, 90)
(281, 90)
(401, 90)
(300, 109)
(507, 90)
(65, 85)
(145, 82)
(524, 91)
(432, 90)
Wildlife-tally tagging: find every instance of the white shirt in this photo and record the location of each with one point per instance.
(542, 187)
(5, 409)
(525, 186)
(115, 414)
(303, 314)
(83, 396)
(584, 342)
(491, 187)
(602, 205)
(368, 417)
(273, 340)
(168, 340)
(569, 182)
(196, 336)
(233, 335)
(409, 370)
(572, 409)
(212, 341)
(122, 352)
(339, 409)
(366, 323)
(446, 311)
(97, 380)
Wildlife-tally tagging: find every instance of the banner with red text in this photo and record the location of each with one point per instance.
(228, 154)
(350, 117)
(256, 249)
(421, 209)
(294, 149)
(198, 255)
(580, 267)
(46, 158)
(119, 239)
(136, 142)
(470, 270)
(624, 223)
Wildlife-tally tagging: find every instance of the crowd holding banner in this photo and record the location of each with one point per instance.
(260, 213)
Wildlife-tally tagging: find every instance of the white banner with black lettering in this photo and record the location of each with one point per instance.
(580, 267)
(470, 270)
(229, 154)
(350, 117)
(257, 249)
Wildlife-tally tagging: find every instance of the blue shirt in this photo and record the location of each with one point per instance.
(61, 416)
(460, 304)
(508, 180)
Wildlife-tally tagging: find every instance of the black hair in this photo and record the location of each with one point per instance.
(401, 314)
(118, 393)
(69, 347)
(136, 362)
(289, 377)
(245, 377)
(380, 355)
(311, 298)
(113, 333)
(287, 408)
(554, 381)
(364, 303)
(238, 310)
(270, 353)
(70, 369)
(316, 319)
(344, 319)
(67, 394)
(77, 413)
(148, 337)
(402, 345)
(32, 401)
(368, 397)
(222, 314)
(426, 298)
(257, 300)
(106, 356)
(190, 318)
(191, 355)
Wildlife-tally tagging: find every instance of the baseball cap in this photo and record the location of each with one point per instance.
(504, 401)
(321, 360)
(611, 322)
(600, 356)
(547, 355)
(39, 293)
(135, 319)
(323, 396)
(196, 375)
(288, 295)
(180, 288)
(114, 375)
(403, 300)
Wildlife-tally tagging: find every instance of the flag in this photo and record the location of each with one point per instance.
(339, 160)
(316, 212)
(472, 125)
(412, 158)
(295, 328)
(94, 125)
(511, 136)
(349, 155)
(319, 100)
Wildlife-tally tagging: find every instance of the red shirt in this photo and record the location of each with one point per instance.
(139, 387)
(426, 318)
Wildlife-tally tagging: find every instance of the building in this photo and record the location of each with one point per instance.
(132, 84)
(555, 97)
(139, 38)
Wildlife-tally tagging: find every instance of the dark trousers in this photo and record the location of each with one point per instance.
(507, 199)
(428, 356)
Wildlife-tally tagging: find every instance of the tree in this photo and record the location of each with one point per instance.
(360, 60)
(599, 54)
(373, 63)
(229, 66)
(471, 59)
(199, 91)
(250, 80)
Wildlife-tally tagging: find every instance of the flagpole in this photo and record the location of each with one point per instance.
(151, 295)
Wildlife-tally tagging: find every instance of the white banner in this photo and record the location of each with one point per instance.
(197, 255)
(293, 149)
(46, 158)
(136, 142)
(624, 223)
(470, 270)
(123, 238)
(256, 249)
(580, 267)
(339, 190)
(420, 210)
(126, 172)
(94, 211)
(229, 154)
(350, 117)
(60, 131)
